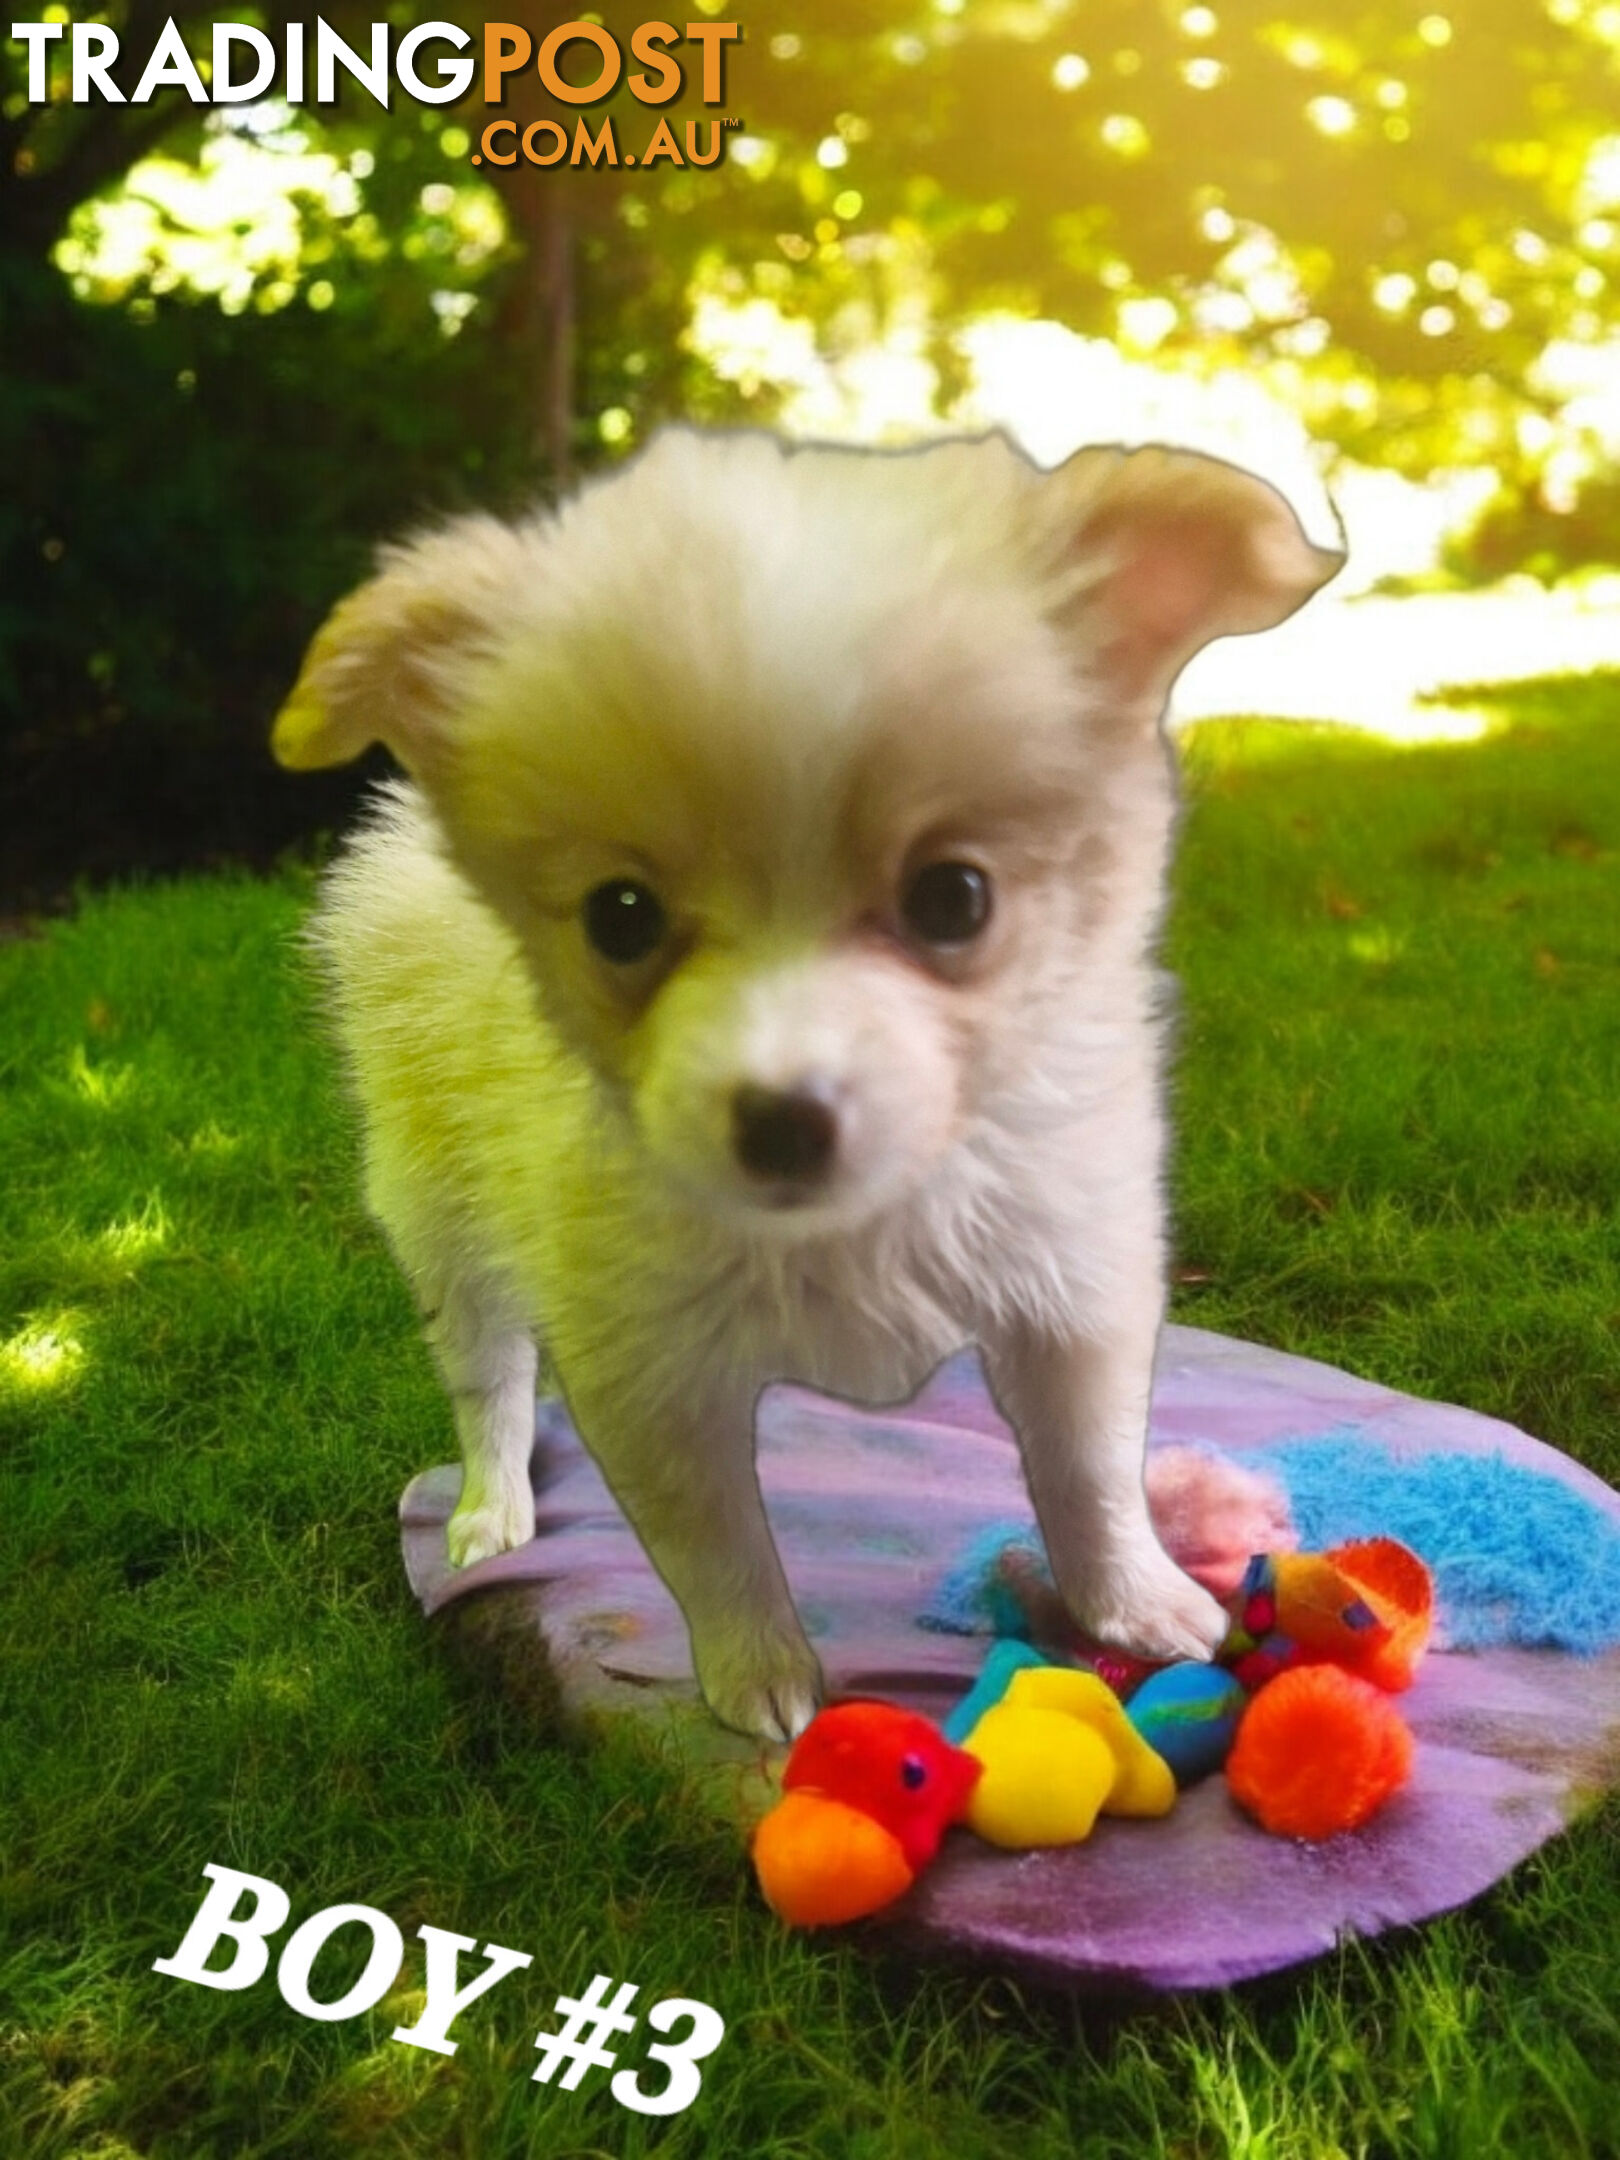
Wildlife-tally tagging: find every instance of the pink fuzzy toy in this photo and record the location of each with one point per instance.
(1212, 1516)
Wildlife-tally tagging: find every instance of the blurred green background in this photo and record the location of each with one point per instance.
(239, 345)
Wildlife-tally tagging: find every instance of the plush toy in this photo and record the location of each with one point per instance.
(1296, 1708)
(1211, 1512)
(1189, 1715)
(867, 1794)
(1323, 1639)
(1367, 1607)
(1056, 1752)
(1399, 1589)
(1319, 1751)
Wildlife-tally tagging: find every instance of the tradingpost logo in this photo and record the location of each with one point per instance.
(433, 64)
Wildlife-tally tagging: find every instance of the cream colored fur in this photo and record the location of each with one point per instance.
(770, 684)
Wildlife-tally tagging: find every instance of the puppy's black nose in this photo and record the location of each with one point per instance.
(783, 1132)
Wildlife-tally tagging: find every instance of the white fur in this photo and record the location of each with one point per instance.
(768, 684)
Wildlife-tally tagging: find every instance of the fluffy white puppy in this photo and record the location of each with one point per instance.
(754, 979)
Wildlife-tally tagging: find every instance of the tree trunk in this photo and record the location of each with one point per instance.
(557, 420)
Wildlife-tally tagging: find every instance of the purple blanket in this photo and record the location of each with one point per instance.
(870, 1508)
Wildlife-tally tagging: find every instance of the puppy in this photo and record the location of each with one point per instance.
(754, 979)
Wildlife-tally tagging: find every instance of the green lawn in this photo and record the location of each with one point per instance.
(1399, 1102)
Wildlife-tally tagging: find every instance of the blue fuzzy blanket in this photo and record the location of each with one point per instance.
(1517, 1557)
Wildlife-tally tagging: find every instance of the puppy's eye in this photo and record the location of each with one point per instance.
(625, 921)
(947, 903)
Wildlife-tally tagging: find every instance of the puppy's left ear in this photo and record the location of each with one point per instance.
(1170, 550)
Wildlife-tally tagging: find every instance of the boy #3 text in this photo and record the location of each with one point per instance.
(587, 2019)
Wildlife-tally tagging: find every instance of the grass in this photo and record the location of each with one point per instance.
(1399, 1098)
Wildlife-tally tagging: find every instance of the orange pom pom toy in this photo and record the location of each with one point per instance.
(1318, 1751)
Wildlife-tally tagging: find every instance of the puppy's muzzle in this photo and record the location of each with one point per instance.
(784, 1135)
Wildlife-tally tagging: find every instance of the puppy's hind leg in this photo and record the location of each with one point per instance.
(490, 1366)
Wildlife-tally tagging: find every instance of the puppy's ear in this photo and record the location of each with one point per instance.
(387, 663)
(1173, 549)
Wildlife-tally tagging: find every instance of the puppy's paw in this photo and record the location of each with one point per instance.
(767, 1683)
(1145, 1605)
(491, 1527)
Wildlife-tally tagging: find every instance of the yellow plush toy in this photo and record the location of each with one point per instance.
(1058, 1751)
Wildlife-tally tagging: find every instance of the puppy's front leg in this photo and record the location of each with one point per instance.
(1080, 1409)
(684, 1474)
(489, 1367)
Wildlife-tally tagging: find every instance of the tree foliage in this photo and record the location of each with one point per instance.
(187, 485)
(1393, 204)
(1393, 207)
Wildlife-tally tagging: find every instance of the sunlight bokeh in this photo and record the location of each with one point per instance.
(46, 1354)
(217, 228)
(102, 1085)
(1354, 656)
(252, 222)
(134, 1237)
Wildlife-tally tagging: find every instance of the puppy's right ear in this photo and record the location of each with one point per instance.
(387, 663)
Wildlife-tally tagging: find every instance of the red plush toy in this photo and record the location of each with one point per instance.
(868, 1792)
